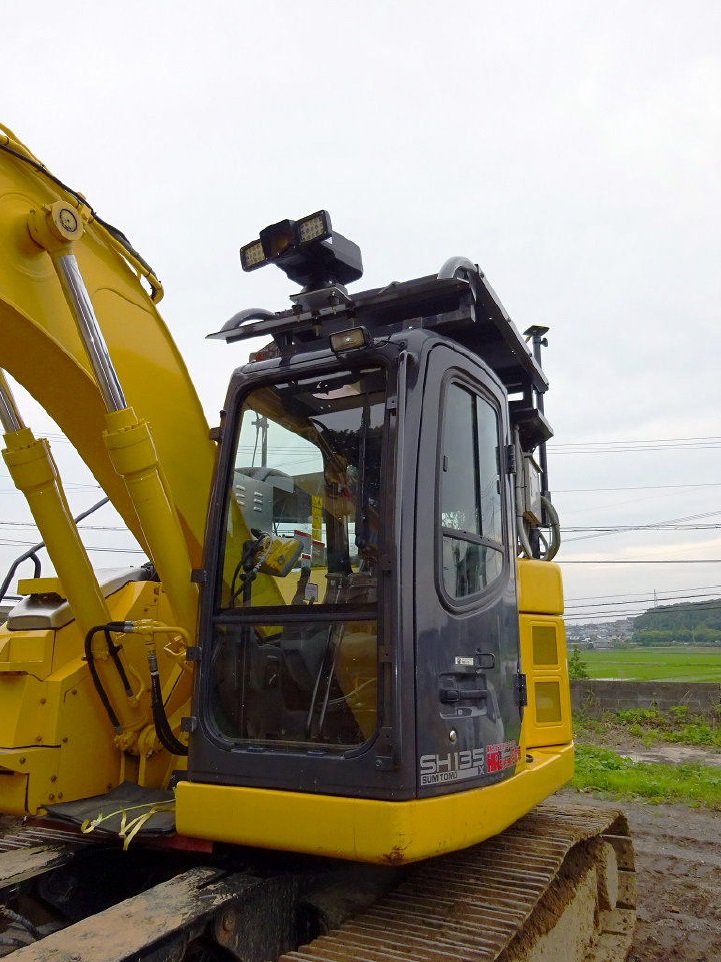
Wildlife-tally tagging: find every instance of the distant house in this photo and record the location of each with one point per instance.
(601, 635)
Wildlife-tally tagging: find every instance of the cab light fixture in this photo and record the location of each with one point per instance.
(252, 256)
(279, 239)
(353, 339)
(308, 250)
(284, 238)
(314, 228)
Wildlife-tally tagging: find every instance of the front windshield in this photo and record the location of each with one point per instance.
(296, 626)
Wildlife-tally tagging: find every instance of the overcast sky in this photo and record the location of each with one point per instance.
(571, 149)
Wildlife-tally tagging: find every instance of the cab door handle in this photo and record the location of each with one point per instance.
(450, 695)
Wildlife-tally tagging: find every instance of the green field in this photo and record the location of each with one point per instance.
(655, 664)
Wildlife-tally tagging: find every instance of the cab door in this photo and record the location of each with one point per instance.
(468, 703)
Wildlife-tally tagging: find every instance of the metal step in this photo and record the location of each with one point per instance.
(23, 863)
(163, 919)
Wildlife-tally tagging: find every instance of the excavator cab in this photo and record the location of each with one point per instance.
(359, 663)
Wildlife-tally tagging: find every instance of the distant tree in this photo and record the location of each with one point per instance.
(651, 638)
(705, 635)
(686, 623)
(577, 667)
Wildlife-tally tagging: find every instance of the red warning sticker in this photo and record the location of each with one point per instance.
(502, 756)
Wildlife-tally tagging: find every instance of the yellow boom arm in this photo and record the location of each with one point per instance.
(41, 348)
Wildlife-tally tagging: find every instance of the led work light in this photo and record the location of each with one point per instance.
(309, 251)
(350, 340)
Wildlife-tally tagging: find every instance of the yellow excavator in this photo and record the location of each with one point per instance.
(324, 720)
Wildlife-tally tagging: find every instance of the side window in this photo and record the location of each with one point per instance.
(470, 498)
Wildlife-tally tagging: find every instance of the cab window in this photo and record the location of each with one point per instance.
(295, 645)
(470, 516)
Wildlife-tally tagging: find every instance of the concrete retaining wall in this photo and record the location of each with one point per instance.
(594, 697)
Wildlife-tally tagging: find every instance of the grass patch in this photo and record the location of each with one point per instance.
(655, 664)
(602, 770)
(678, 724)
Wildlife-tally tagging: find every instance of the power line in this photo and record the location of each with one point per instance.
(67, 486)
(81, 526)
(659, 526)
(664, 525)
(640, 487)
(634, 614)
(626, 602)
(647, 561)
(703, 437)
(119, 550)
(625, 447)
(648, 602)
(704, 588)
(686, 518)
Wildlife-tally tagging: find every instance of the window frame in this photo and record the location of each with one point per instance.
(269, 614)
(490, 591)
(217, 616)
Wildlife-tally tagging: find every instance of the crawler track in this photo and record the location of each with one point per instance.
(559, 884)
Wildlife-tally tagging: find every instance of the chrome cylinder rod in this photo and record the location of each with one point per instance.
(9, 415)
(78, 298)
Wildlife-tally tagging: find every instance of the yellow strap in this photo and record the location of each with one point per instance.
(129, 828)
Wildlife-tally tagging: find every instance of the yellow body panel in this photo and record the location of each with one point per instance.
(31, 652)
(366, 830)
(41, 348)
(41, 586)
(22, 794)
(49, 702)
(547, 719)
(540, 587)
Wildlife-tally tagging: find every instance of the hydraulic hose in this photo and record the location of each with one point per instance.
(118, 240)
(554, 523)
(518, 485)
(160, 719)
(90, 658)
(555, 526)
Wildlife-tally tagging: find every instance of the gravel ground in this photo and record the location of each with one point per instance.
(678, 861)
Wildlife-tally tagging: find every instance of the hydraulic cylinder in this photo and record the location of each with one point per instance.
(34, 472)
(128, 439)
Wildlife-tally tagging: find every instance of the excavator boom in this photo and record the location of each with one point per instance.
(42, 350)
